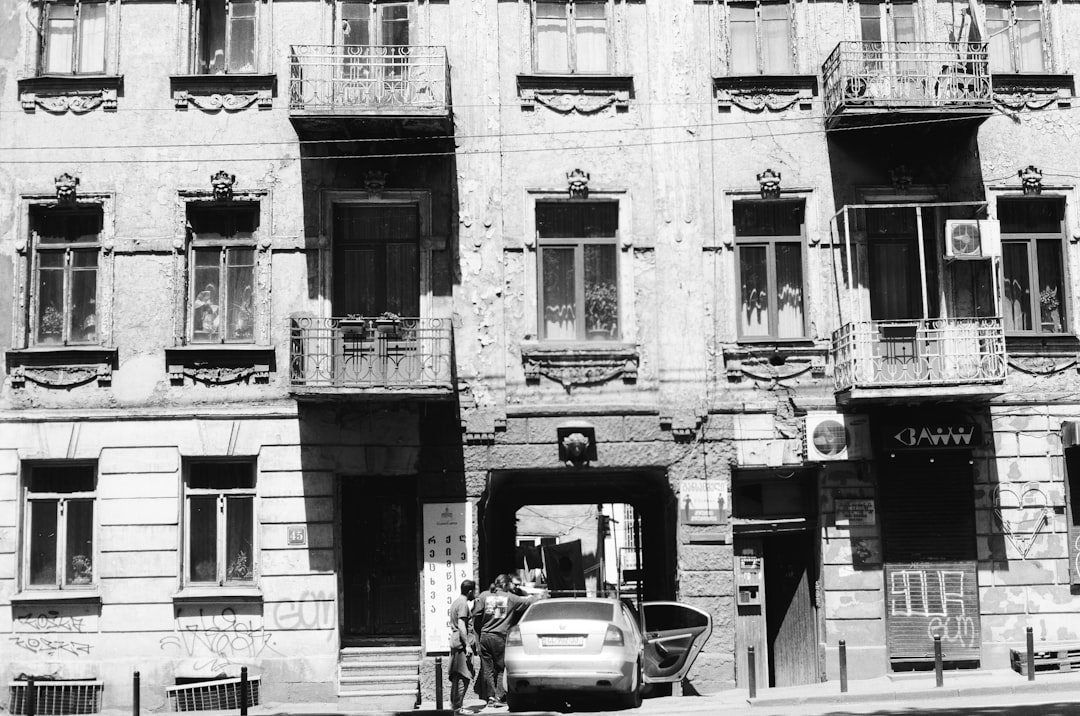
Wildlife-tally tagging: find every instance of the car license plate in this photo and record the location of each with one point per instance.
(562, 640)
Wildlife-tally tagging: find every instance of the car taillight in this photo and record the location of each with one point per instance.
(513, 637)
(614, 636)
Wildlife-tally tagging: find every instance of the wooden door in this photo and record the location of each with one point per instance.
(791, 619)
(750, 618)
(379, 560)
(376, 259)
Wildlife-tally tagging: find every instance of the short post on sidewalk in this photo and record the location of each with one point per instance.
(843, 666)
(135, 694)
(438, 683)
(243, 691)
(1030, 654)
(31, 697)
(939, 676)
(751, 671)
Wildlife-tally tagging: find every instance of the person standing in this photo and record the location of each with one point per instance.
(462, 645)
(494, 612)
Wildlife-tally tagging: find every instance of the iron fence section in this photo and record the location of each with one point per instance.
(935, 351)
(391, 79)
(906, 74)
(366, 352)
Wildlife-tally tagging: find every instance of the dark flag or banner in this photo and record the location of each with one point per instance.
(564, 569)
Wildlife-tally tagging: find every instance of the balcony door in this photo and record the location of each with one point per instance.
(888, 31)
(376, 259)
(374, 38)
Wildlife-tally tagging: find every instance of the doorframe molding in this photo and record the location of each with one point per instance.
(329, 198)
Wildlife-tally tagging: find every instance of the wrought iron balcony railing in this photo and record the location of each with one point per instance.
(369, 80)
(906, 75)
(357, 354)
(928, 352)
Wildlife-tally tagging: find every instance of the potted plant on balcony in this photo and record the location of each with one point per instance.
(388, 325)
(353, 327)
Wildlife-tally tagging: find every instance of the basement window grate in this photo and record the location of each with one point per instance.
(216, 695)
(53, 698)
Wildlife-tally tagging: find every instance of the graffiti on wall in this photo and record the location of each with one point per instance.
(50, 647)
(1023, 512)
(313, 610)
(217, 640)
(49, 621)
(932, 600)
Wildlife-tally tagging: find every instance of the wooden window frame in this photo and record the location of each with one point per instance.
(770, 243)
(571, 36)
(759, 35)
(1013, 37)
(68, 249)
(73, 67)
(222, 496)
(224, 246)
(195, 61)
(1031, 239)
(887, 20)
(62, 500)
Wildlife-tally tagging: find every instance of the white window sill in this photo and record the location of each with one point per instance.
(212, 593)
(86, 594)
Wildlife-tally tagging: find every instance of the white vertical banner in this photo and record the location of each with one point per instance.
(448, 560)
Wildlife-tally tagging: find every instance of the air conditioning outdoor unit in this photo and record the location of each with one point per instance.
(972, 239)
(835, 436)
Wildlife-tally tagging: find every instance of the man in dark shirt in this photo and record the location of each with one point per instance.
(494, 612)
(462, 641)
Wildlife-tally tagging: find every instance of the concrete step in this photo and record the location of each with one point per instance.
(373, 664)
(378, 679)
(382, 701)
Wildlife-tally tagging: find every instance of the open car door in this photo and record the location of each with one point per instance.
(674, 634)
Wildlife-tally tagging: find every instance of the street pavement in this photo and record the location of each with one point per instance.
(981, 693)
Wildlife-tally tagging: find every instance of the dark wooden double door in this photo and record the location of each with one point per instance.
(379, 561)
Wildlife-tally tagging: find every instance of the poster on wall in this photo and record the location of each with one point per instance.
(448, 560)
(704, 502)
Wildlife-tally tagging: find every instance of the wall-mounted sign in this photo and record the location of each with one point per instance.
(448, 561)
(296, 535)
(926, 436)
(704, 502)
(855, 512)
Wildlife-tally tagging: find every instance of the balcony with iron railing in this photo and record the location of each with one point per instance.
(932, 357)
(863, 80)
(381, 357)
(391, 82)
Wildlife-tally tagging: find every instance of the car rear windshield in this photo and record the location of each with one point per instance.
(598, 611)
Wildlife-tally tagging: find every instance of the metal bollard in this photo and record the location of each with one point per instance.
(1030, 654)
(939, 675)
(135, 694)
(843, 666)
(243, 691)
(30, 697)
(751, 669)
(438, 683)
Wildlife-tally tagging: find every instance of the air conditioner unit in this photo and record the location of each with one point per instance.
(835, 436)
(972, 239)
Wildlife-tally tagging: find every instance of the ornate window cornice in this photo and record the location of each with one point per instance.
(583, 94)
(580, 364)
(61, 367)
(78, 94)
(1033, 91)
(213, 93)
(757, 93)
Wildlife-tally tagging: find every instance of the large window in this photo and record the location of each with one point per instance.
(376, 259)
(578, 263)
(769, 254)
(760, 38)
(571, 36)
(222, 274)
(73, 37)
(59, 535)
(225, 36)
(1016, 36)
(220, 525)
(64, 289)
(1032, 240)
(366, 22)
(887, 22)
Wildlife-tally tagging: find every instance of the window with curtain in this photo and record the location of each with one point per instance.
(1016, 36)
(887, 22)
(769, 257)
(760, 38)
(219, 502)
(1032, 257)
(221, 276)
(376, 259)
(59, 534)
(65, 263)
(225, 36)
(73, 38)
(571, 36)
(577, 247)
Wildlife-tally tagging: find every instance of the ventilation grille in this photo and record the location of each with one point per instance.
(52, 698)
(218, 695)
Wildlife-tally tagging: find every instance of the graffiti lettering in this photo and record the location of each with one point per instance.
(50, 621)
(52, 647)
(313, 610)
(219, 639)
(940, 436)
(953, 630)
(917, 593)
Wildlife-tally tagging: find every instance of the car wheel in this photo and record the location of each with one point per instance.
(632, 698)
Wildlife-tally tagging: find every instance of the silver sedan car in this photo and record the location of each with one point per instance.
(596, 645)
